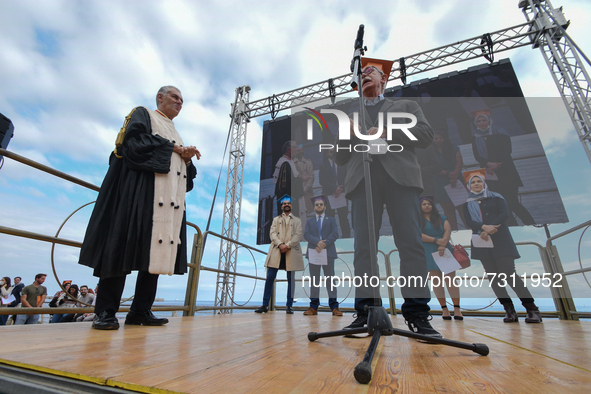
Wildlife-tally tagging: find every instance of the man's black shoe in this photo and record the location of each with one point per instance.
(144, 318)
(421, 325)
(359, 322)
(262, 309)
(105, 321)
(289, 310)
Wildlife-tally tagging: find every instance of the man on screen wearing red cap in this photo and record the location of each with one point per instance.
(396, 183)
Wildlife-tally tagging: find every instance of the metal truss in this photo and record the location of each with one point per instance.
(566, 67)
(545, 28)
(482, 46)
(225, 283)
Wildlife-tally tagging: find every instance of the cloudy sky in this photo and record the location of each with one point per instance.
(70, 71)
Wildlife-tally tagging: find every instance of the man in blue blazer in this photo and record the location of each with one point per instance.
(321, 232)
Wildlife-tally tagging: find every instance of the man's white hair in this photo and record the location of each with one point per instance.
(163, 90)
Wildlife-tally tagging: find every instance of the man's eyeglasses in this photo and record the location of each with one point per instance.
(370, 69)
(319, 204)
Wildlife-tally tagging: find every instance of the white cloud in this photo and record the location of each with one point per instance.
(72, 71)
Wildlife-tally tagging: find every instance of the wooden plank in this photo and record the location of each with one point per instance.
(247, 353)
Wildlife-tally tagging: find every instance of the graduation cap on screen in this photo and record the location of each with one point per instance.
(477, 113)
(284, 199)
(384, 66)
(431, 199)
(470, 174)
(321, 197)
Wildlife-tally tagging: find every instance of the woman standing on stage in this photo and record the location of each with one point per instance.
(436, 234)
(486, 214)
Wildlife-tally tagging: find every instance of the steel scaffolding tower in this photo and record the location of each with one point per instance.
(224, 295)
(545, 29)
(567, 69)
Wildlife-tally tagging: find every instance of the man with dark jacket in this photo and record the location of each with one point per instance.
(16, 291)
(321, 232)
(395, 183)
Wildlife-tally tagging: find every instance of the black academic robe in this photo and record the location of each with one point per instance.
(494, 211)
(499, 148)
(118, 236)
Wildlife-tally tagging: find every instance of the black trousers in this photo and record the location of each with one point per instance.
(343, 219)
(511, 194)
(110, 291)
(506, 266)
(402, 204)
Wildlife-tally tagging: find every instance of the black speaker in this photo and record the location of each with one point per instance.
(6, 131)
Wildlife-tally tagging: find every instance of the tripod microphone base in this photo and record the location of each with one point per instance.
(312, 336)
(362, 372)
(480, 348)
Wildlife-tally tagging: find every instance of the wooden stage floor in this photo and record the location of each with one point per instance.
(248, 353)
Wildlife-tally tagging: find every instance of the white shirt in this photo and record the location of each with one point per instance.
(373, 102)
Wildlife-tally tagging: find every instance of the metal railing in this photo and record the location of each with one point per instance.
(196, 267)
(561, 295)
(549, 254)
(61, 241)
(566, 304)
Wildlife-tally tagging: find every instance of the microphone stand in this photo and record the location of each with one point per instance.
(378, 320)
(356, 68)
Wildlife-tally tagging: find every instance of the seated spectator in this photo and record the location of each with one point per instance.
(16, 292)
(5, 292)
(32, 296)
(85, 298)
(69, 301)
(56, 317)
(87, 316)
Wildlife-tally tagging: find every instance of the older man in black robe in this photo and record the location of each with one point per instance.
(138, 222)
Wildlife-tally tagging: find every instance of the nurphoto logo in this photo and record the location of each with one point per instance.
(378, 146)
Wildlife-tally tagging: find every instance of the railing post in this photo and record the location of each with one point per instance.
(273, 301)
(390, 288)
(562, 296)
(194, 272)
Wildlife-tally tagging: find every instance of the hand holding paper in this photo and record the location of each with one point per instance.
(478, 242)
(446, 263)
(317, 258)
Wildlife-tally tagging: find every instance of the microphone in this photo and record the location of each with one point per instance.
(359, 39)
(356, 62)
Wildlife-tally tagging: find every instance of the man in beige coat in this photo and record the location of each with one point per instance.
(284, 253)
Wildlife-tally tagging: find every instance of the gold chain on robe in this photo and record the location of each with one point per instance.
(121, 135)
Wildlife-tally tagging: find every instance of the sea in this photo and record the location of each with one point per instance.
(487, 305)
(471, 305)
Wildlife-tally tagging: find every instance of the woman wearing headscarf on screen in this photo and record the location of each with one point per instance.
(486, 214)
(492, 148)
